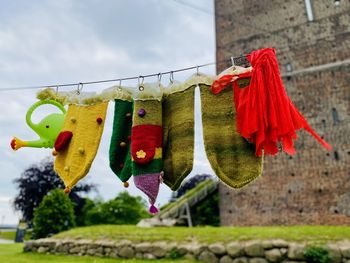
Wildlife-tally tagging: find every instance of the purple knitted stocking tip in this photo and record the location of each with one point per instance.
(153, 210)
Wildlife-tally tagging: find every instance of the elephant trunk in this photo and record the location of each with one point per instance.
(18, 143)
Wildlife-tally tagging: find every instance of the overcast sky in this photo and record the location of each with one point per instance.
(44, 42)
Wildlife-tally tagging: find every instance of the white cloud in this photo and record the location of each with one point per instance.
(5, 199)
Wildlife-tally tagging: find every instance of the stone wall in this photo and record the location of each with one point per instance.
(235, 252)
(312, 187)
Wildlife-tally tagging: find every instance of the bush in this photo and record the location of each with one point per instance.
(54, 214)
(207, 212)
(124, 209)
(189, 184)
(36, 181)
(316, 255)
(175, 254)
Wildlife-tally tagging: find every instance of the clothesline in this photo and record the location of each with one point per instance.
(109, 80)
(159, 74)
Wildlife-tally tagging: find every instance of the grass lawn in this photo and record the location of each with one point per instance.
(208, 234)
(9, 235)
(13, 254)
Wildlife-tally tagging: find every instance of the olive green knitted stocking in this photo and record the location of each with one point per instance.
(231, 157)
(178, 136)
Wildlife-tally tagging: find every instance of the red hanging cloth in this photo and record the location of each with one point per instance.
(265, 113)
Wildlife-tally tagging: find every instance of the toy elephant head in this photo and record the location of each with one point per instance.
(47, 129)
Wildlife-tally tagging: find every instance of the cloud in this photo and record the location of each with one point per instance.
(5, 199)
(44, 42)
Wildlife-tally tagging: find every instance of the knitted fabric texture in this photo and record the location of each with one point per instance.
(230, 155)
(146, 147)
(119, 150)
(178, 136)
(265, 114)
(86, 123)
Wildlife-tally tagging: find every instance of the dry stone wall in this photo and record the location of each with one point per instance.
(234, 252)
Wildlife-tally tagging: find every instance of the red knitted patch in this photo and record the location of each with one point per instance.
(63, 140)
(144, 141)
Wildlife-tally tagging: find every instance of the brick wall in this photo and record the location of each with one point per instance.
(312, 187)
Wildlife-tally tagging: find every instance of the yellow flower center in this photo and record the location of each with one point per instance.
(140, 154)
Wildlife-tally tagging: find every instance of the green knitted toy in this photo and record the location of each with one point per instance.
(146, 142)
(231, 157)
(119, 150)
(178, 129)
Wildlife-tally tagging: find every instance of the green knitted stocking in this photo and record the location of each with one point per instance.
(231, 157)
(178, 136)
(119, 150)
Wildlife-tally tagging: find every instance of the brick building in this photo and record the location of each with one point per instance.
(313, 45)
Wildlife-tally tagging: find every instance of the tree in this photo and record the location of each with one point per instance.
(124, 209)
(207, 211)
(36, 181)
(54, 214)
(189, 184)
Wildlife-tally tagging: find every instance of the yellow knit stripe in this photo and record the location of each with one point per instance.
(159, 153)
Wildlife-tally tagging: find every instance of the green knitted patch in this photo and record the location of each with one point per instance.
(119, 157)
(178, 136)
(231, 156)
(155, 166)
(153, 115)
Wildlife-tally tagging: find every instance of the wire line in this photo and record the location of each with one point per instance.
(106, 80)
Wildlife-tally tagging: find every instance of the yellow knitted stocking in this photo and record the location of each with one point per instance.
(86, 123)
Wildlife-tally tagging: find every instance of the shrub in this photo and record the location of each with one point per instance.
(124, 209)
(36, 181)
(316, 255)
(175, 254)
(54, 214)
(207, 212)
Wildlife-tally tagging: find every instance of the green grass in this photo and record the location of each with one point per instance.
(208, 234)
(9, 235)
(13, 254)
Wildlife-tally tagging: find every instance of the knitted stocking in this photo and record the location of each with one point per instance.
(119, 150)
(146, 148)
(231, 157)
(77, 145)
(178, 136)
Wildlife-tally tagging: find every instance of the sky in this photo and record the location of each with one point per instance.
(48, 42)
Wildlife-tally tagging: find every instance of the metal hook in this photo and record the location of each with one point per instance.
(171, 77)
(57, 89)
(232, 61)
(140, 84)
(79, 88)
(120, 85)
(159, 75)
(197, 70)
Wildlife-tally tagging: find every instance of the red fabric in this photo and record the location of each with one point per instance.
(146, 138)
(221, 83)
(63, 140)
(265, 113)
